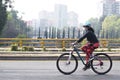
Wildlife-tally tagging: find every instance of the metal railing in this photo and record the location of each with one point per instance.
(51, 43)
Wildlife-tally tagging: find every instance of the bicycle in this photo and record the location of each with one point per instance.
(67, 63)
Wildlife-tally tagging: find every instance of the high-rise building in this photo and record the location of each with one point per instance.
(46, 18)
(59, 18)
(111, 7)
(117, 5)
(108, 7)
(43, 19)
(60, 15)
(72, 19)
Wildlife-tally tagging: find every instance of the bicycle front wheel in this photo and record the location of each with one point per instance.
(67, 64)
(101, 64)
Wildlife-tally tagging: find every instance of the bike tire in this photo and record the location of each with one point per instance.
(63, 59)
(107, 61)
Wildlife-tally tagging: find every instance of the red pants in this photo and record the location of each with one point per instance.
(88, 49)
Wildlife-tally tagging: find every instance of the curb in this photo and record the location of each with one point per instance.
(41, 57)
(44, 55)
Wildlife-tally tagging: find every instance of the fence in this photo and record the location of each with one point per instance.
(51, 43)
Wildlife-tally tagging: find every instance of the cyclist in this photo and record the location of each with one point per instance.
(92, 43)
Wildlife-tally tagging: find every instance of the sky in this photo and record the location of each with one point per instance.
(29, 9)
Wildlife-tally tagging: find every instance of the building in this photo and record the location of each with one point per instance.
(108, 7)
(43, 19)
(60, 15)
(60, 18)
(72, 20)
(111, 7)
(117, 5)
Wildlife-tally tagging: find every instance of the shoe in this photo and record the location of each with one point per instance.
(87, 66)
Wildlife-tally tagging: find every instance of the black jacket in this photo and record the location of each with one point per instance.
(91, 37)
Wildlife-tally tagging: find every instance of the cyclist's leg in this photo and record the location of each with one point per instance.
(89, 50)
(85, 50)
(87, 65)
(88, 54)
(87, 57)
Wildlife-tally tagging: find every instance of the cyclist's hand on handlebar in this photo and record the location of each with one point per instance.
(74, 43)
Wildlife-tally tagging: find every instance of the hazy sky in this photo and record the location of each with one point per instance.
(84, 8)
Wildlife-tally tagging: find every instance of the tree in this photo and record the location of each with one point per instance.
(3, 12)
(102, 19)
(14, 26)
(53, 32)
(39, 33)
(46, 33)
(73, 36)
(63, 35)
(3, 16)
(111, 27)
(9, 30)
(50, 32)
(78, 33)
(96, 24)
(68, 32)
(58, 33)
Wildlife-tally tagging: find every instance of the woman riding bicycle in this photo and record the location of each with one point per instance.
(92, 43)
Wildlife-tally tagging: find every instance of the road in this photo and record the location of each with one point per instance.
(46, 70)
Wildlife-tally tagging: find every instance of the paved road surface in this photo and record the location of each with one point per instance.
(46, 70)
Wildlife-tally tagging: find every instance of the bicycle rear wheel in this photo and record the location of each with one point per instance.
(66, 64)
(101, 64)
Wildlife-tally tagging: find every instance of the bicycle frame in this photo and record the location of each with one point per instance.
(77, 52)
(80, 57)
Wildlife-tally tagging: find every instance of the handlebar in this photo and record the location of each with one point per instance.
(74, 45)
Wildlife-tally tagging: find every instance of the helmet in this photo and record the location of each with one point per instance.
(87, 24)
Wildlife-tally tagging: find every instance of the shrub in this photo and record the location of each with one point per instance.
(109, 49)
(27, 48)
(44, 49)
(31, 49)
(21, 36)
(63, 49)
(24, 48)
(14, 47)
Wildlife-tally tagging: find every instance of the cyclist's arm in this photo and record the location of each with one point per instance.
(83, 37)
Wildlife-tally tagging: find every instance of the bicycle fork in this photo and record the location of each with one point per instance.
(69, 57)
